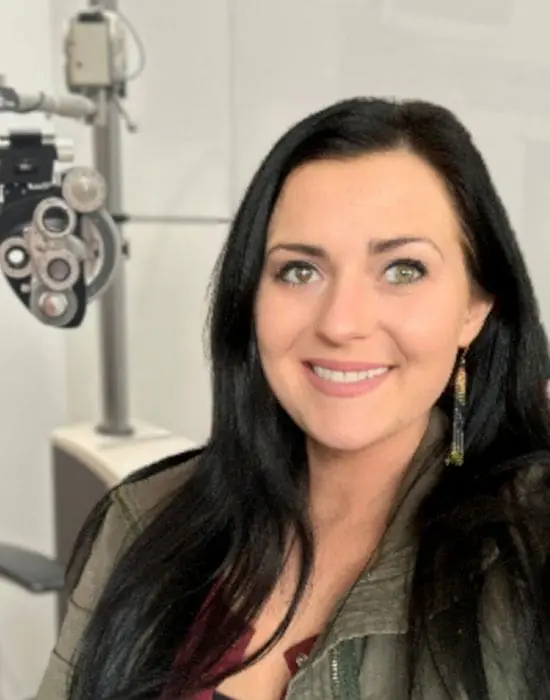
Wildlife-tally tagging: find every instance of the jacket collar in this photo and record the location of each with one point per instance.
(377, 603)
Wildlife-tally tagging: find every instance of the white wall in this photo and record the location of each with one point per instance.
(223, 79)
(488, 61)
(32, 396)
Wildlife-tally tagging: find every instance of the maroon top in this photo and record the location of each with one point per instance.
(295, 656)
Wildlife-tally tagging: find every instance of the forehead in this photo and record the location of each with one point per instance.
(381, 194)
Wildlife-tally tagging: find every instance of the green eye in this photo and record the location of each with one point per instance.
(296, 273)
(405, 272)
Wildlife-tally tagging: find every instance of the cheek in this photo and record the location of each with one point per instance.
(279, 325)
(427, 340)
(428, 331)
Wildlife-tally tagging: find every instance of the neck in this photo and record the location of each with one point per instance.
(360, 487)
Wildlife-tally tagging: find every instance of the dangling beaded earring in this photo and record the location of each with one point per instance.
(456, 456)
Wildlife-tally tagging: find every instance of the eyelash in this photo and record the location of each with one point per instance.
(281, 274)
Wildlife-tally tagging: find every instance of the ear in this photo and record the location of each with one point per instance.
(476, 314)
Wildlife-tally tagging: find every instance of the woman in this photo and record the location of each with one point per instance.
(358, 525)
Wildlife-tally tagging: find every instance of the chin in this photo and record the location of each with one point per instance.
(344, 441)
(343, 447)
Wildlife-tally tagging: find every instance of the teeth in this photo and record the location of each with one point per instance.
(348, 377)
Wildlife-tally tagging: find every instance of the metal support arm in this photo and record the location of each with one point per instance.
(31, 570)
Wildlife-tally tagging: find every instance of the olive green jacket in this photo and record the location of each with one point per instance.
(361, 654)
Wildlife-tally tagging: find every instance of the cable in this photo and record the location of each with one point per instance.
(139, 45)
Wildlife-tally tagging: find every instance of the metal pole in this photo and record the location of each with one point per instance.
(112, 305)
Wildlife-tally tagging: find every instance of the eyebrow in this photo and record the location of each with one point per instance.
(377, 246)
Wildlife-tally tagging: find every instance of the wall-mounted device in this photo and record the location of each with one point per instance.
(59, 247)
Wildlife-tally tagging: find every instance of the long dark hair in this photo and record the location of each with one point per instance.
(248, 489)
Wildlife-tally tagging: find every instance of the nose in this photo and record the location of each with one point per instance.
(347, 312)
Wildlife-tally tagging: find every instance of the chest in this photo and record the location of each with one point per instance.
(334, 574)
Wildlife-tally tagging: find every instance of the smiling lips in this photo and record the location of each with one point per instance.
(345, 378)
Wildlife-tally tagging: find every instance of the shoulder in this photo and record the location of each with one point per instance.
(112, 527)
(147, 491)
(516, 571)
(119, 519)
(123, 513)
(531, 493)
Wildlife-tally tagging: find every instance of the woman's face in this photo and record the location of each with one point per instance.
(364, 299)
